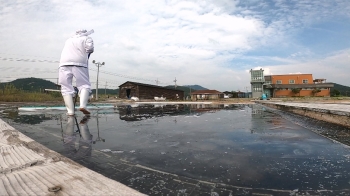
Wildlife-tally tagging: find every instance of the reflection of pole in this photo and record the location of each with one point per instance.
(98, 133)
(62, 128)
(98, 126)
(98, 64)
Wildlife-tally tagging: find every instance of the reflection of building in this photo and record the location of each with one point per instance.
(128, 113)
(288, 85)
(257, 110)
(206, 95)
(147, 91)
(206, 107)
(264, 120)
(215, 107)
(142, 112)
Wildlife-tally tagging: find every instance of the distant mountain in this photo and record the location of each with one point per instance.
(31, 84)
(196, 87)
(38, 84)
(344, 90)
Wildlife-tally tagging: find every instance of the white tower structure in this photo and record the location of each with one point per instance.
(257, 81)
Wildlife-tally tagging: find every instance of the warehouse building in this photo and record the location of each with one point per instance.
(146, 91)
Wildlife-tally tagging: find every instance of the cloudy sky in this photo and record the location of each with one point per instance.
(213, 43)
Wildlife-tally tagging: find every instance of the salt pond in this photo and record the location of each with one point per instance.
(233, 146)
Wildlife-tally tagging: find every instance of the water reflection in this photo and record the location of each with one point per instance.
(237, 145)
(77, 139)
(257, 110)
(129, 113)
(143, 112)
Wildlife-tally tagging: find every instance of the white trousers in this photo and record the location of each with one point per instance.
(65, 79)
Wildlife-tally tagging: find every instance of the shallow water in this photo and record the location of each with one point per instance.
(235, 145)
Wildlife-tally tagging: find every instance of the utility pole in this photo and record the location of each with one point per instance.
(175, 82)
(98, 64)
(246, 92)
(157, 81)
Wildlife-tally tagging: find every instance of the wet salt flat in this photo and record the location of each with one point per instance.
(197, 149)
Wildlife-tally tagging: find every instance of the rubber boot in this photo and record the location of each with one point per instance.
(69, 132)
(68, 101)
(70, 137)
(84, 129)
(85, 142)
(84, 98)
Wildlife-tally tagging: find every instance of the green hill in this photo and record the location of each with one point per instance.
(188, 88)
(343, 90)
(38, 85)
(31, 84)
(196, 87)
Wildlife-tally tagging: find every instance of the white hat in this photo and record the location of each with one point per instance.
(83, 32)
(80, 31)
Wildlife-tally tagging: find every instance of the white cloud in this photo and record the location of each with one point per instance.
(196, 41)
(331, 68)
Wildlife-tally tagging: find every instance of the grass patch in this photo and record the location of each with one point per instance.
(11, 94)
(29, 97)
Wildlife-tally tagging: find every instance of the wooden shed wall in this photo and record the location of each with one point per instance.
(134, 91)
(146, 92)
(149, 92)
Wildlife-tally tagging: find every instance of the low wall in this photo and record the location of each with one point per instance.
(327, 115)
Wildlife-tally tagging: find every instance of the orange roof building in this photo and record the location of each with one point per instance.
(290, 85)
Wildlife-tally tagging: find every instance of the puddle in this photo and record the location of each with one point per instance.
(230, 146)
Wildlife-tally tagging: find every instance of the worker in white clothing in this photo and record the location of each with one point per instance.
(74, 63)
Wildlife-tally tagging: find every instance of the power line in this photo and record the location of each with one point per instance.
(55, 61)
(28, 60)
(127, 76)
(21, 55)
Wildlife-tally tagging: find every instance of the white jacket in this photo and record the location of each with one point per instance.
(76, 51)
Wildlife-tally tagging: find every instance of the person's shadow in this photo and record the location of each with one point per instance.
(77, 140)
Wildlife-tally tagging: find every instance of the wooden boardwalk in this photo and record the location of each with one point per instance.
(29, 168)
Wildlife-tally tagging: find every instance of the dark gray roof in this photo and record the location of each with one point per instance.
(149, 85)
